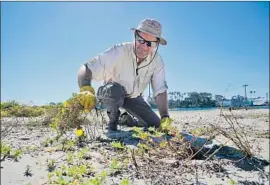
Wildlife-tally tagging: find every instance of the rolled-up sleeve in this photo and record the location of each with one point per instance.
(158, 82)
(102, 65)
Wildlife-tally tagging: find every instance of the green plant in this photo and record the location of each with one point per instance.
(17, 110)
(69, 115)
(199, 131)
(28, 171)
(16, 154)
(51, 165)
(83, 153)
(62, 181)
(5, 150)
(50, 113)
(99, 179)
(8, 104)
(59, 173)
(79, 171)
(125, 182)
(8, 152)
(69, 157)
(116, 165)
(47, 142)
(50, 176)
(117, 145)
(4, 114)
(232, 182)
(67, 145)
(141, 135)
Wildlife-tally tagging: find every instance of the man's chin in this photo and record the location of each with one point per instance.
(141, 56)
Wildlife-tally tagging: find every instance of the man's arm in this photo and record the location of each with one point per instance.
(84, 76)
(100, 67)
(160, 87)
(162, 104)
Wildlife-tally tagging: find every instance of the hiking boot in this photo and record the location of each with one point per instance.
(113, 117)
(112, 126)
(127, 120)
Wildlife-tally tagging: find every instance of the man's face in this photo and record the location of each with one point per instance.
(145, 43)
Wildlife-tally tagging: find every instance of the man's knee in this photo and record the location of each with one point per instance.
(111, 95)
(155, 122)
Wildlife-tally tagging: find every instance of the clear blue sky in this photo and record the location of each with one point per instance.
(210, 45)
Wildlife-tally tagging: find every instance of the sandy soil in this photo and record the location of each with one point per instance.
(29, 135)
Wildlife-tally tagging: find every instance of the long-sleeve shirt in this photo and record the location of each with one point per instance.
(118, 64)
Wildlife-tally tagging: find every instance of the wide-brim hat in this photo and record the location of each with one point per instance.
(151, 27)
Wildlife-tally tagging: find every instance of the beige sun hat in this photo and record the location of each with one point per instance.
(151, 27)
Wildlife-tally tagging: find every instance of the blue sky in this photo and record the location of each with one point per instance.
(210, 45)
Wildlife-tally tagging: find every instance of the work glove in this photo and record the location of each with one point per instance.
(165, 124)
(87, 97)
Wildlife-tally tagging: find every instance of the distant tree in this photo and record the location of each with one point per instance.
(190, 99)
(52, 104)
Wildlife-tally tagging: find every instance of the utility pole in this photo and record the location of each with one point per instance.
(245, 86)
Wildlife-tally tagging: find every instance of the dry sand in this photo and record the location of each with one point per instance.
(256, 123)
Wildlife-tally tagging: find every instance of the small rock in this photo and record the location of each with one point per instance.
(24, 138)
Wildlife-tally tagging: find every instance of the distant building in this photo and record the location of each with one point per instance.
(221, 101)
(259, 101)
(238, 101)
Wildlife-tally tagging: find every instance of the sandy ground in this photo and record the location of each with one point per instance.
(29, 137)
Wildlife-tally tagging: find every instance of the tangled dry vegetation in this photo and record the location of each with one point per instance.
(153, 157)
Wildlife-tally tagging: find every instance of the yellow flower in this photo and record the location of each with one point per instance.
(66, 104)
(76, 181)
(79, 132)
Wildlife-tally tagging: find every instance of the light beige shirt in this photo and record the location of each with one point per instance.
(118, 64)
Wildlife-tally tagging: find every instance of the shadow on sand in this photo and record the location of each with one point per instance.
(237, 157)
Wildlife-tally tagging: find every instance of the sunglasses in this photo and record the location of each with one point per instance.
(142, 41)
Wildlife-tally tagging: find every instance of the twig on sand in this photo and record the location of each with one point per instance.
(215, 151)
(134, 160)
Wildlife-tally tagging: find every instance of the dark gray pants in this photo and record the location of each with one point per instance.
(113, 96)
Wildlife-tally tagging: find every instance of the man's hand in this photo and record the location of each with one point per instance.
(165, 124)
(87, 97)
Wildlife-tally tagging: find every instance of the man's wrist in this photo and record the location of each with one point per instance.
(87, 88)
(165, 116)
(84, 76)
(85, 82)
